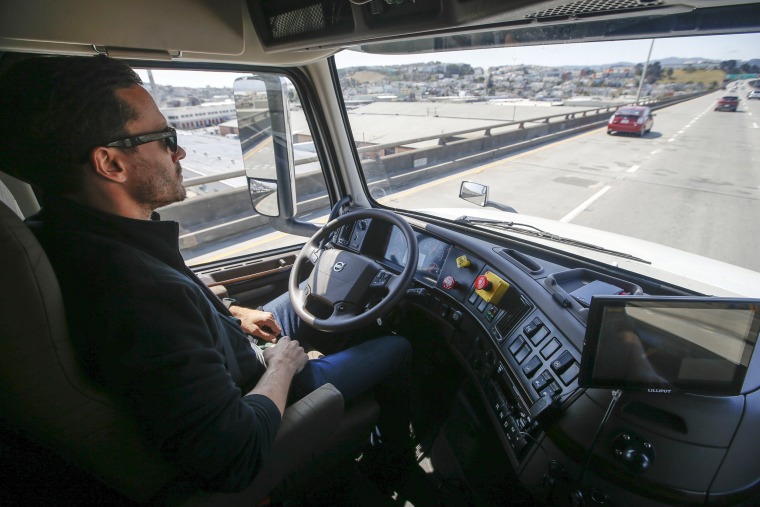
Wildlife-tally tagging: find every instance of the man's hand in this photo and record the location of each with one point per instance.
(286, 353)
(284, 359)
(257, 323)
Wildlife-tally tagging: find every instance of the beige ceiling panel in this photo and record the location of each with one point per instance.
(200, 26)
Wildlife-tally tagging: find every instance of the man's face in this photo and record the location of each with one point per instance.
(155, 172)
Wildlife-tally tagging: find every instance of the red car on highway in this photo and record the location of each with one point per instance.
(727, 103)
(632, 120)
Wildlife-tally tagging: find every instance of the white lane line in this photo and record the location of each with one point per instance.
(671, 139)
(754, 125)
(633, 169)
(577, 211)
(655, 152)
(680, 131)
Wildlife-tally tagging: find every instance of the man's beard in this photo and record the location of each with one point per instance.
(157, 188)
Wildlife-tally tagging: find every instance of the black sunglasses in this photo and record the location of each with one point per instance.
(168, 135)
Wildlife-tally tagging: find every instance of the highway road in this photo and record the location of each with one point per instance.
(695, 165)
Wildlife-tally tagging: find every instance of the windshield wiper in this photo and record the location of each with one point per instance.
(531, 230)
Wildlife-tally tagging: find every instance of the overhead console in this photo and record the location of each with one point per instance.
(452, 24)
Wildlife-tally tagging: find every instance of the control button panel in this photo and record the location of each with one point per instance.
(542, 358)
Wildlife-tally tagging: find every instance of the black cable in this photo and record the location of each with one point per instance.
(615, 397)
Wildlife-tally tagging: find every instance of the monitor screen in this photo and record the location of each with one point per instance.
(661, 345)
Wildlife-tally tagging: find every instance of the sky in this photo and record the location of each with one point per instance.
(723, 47)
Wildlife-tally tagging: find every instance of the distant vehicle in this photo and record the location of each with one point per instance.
(754, 94)
(727, 103)
(632, 120)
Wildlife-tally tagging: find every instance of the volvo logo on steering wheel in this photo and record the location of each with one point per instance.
(338, 266)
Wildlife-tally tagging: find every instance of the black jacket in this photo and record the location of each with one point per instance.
(148, 330)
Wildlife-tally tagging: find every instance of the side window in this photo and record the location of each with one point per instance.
(223, 126)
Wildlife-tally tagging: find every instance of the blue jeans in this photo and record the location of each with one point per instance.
(374, 364)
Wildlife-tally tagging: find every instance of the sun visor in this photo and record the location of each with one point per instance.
(173, 26)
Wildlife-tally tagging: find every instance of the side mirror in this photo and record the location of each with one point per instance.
(474, 192)
(478, 194)
(263, 115)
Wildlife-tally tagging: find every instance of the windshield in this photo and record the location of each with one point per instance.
(630, 110)
(537, 126)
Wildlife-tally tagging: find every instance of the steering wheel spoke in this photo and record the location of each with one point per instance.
(348, 282)
(314, 254)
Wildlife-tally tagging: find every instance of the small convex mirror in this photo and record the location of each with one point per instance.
(474, 193)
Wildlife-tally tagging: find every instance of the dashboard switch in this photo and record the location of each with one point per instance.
(537, 338)
(550, 348)
(532, 366)
(542, 381)
(516, 345)
(491, 287)
(522, 354)
(482, 283)
(533, 327)
(563, 362)
(449, 283)
(463, 262)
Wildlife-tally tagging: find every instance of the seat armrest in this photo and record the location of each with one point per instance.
(305, 425)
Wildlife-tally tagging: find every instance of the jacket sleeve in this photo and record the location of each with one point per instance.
(169, 361)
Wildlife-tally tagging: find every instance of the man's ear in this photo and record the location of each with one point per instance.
(108, 163)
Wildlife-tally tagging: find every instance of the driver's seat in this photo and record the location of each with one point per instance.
(49, 405)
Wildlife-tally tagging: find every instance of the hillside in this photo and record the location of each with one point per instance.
(704, 76)
(367, 76)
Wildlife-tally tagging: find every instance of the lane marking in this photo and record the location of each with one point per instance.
(633, 169)
(655, 152)
(754, 125)
(585, 204)
(671, 139)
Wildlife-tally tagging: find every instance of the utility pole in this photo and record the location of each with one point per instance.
(644, 72)
(153, 89)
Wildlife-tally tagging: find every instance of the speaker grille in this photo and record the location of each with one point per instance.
(588, 7)
(288, 19)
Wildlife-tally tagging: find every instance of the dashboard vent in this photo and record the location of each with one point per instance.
(593, 8)
(516, 309)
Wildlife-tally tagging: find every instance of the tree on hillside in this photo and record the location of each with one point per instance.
(654, 72)
(728, 66)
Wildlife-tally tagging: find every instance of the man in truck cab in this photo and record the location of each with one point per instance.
(85, 133)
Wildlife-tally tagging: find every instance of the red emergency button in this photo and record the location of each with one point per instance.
(482, 283)
(449, 283)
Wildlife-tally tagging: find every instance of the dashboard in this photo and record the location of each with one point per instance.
(518, 319)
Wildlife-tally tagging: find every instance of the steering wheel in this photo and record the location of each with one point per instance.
(346, 284)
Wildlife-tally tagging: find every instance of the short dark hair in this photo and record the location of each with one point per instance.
(54, 109)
